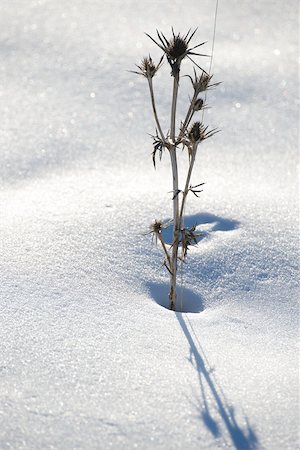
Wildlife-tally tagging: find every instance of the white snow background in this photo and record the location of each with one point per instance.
(89, 359)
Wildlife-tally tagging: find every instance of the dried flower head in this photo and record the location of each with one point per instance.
(157, 226)
(198, 104)
(203, 82)
(189, 236)
(177, 48)
(156, 229)
(147, 67)
(198, 132)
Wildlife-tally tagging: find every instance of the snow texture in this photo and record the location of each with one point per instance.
(89, 357)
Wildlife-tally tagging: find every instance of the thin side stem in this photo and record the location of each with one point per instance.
(154, 110)
(188, 179)
(165, 249)
(188, 117)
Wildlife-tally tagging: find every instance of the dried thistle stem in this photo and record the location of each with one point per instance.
(154, 110)
(188, 179)
(174, 51)
(188, 117)
(165, 249)
(176, 218)
(173, 110)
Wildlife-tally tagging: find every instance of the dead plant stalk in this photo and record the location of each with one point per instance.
(189, 137)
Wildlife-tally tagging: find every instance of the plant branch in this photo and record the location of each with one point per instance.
(188, 117)
(165, 249)
(154, 110)
(188, 179)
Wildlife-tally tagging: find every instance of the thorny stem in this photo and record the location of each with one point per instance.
(176, 221)
(154, 110)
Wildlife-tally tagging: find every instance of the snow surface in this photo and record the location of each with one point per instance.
(89, 358)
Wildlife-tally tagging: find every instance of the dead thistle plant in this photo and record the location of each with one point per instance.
(189, 136)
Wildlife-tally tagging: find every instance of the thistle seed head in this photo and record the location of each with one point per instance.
(147, 68)
(202, 83)
(198, 132)
(198, 104)
(156, 227)
(176, 48)
(189, 237)
(195, 132)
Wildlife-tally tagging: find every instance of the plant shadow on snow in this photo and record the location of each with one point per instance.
(193, 303)
(210, 222)
(242, 438)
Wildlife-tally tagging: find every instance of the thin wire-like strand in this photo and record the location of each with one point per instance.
(212, 50)
(205, 98)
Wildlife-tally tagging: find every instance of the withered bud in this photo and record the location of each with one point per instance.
(203, 82)
(198, 104)
(157, 227)
(176, 47)
(189, 237)
(198, 132)
(195, 132)
(147, 67)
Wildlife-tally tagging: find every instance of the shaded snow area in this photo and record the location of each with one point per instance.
(91, 358)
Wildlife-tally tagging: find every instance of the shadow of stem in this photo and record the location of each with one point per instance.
(241, 439)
